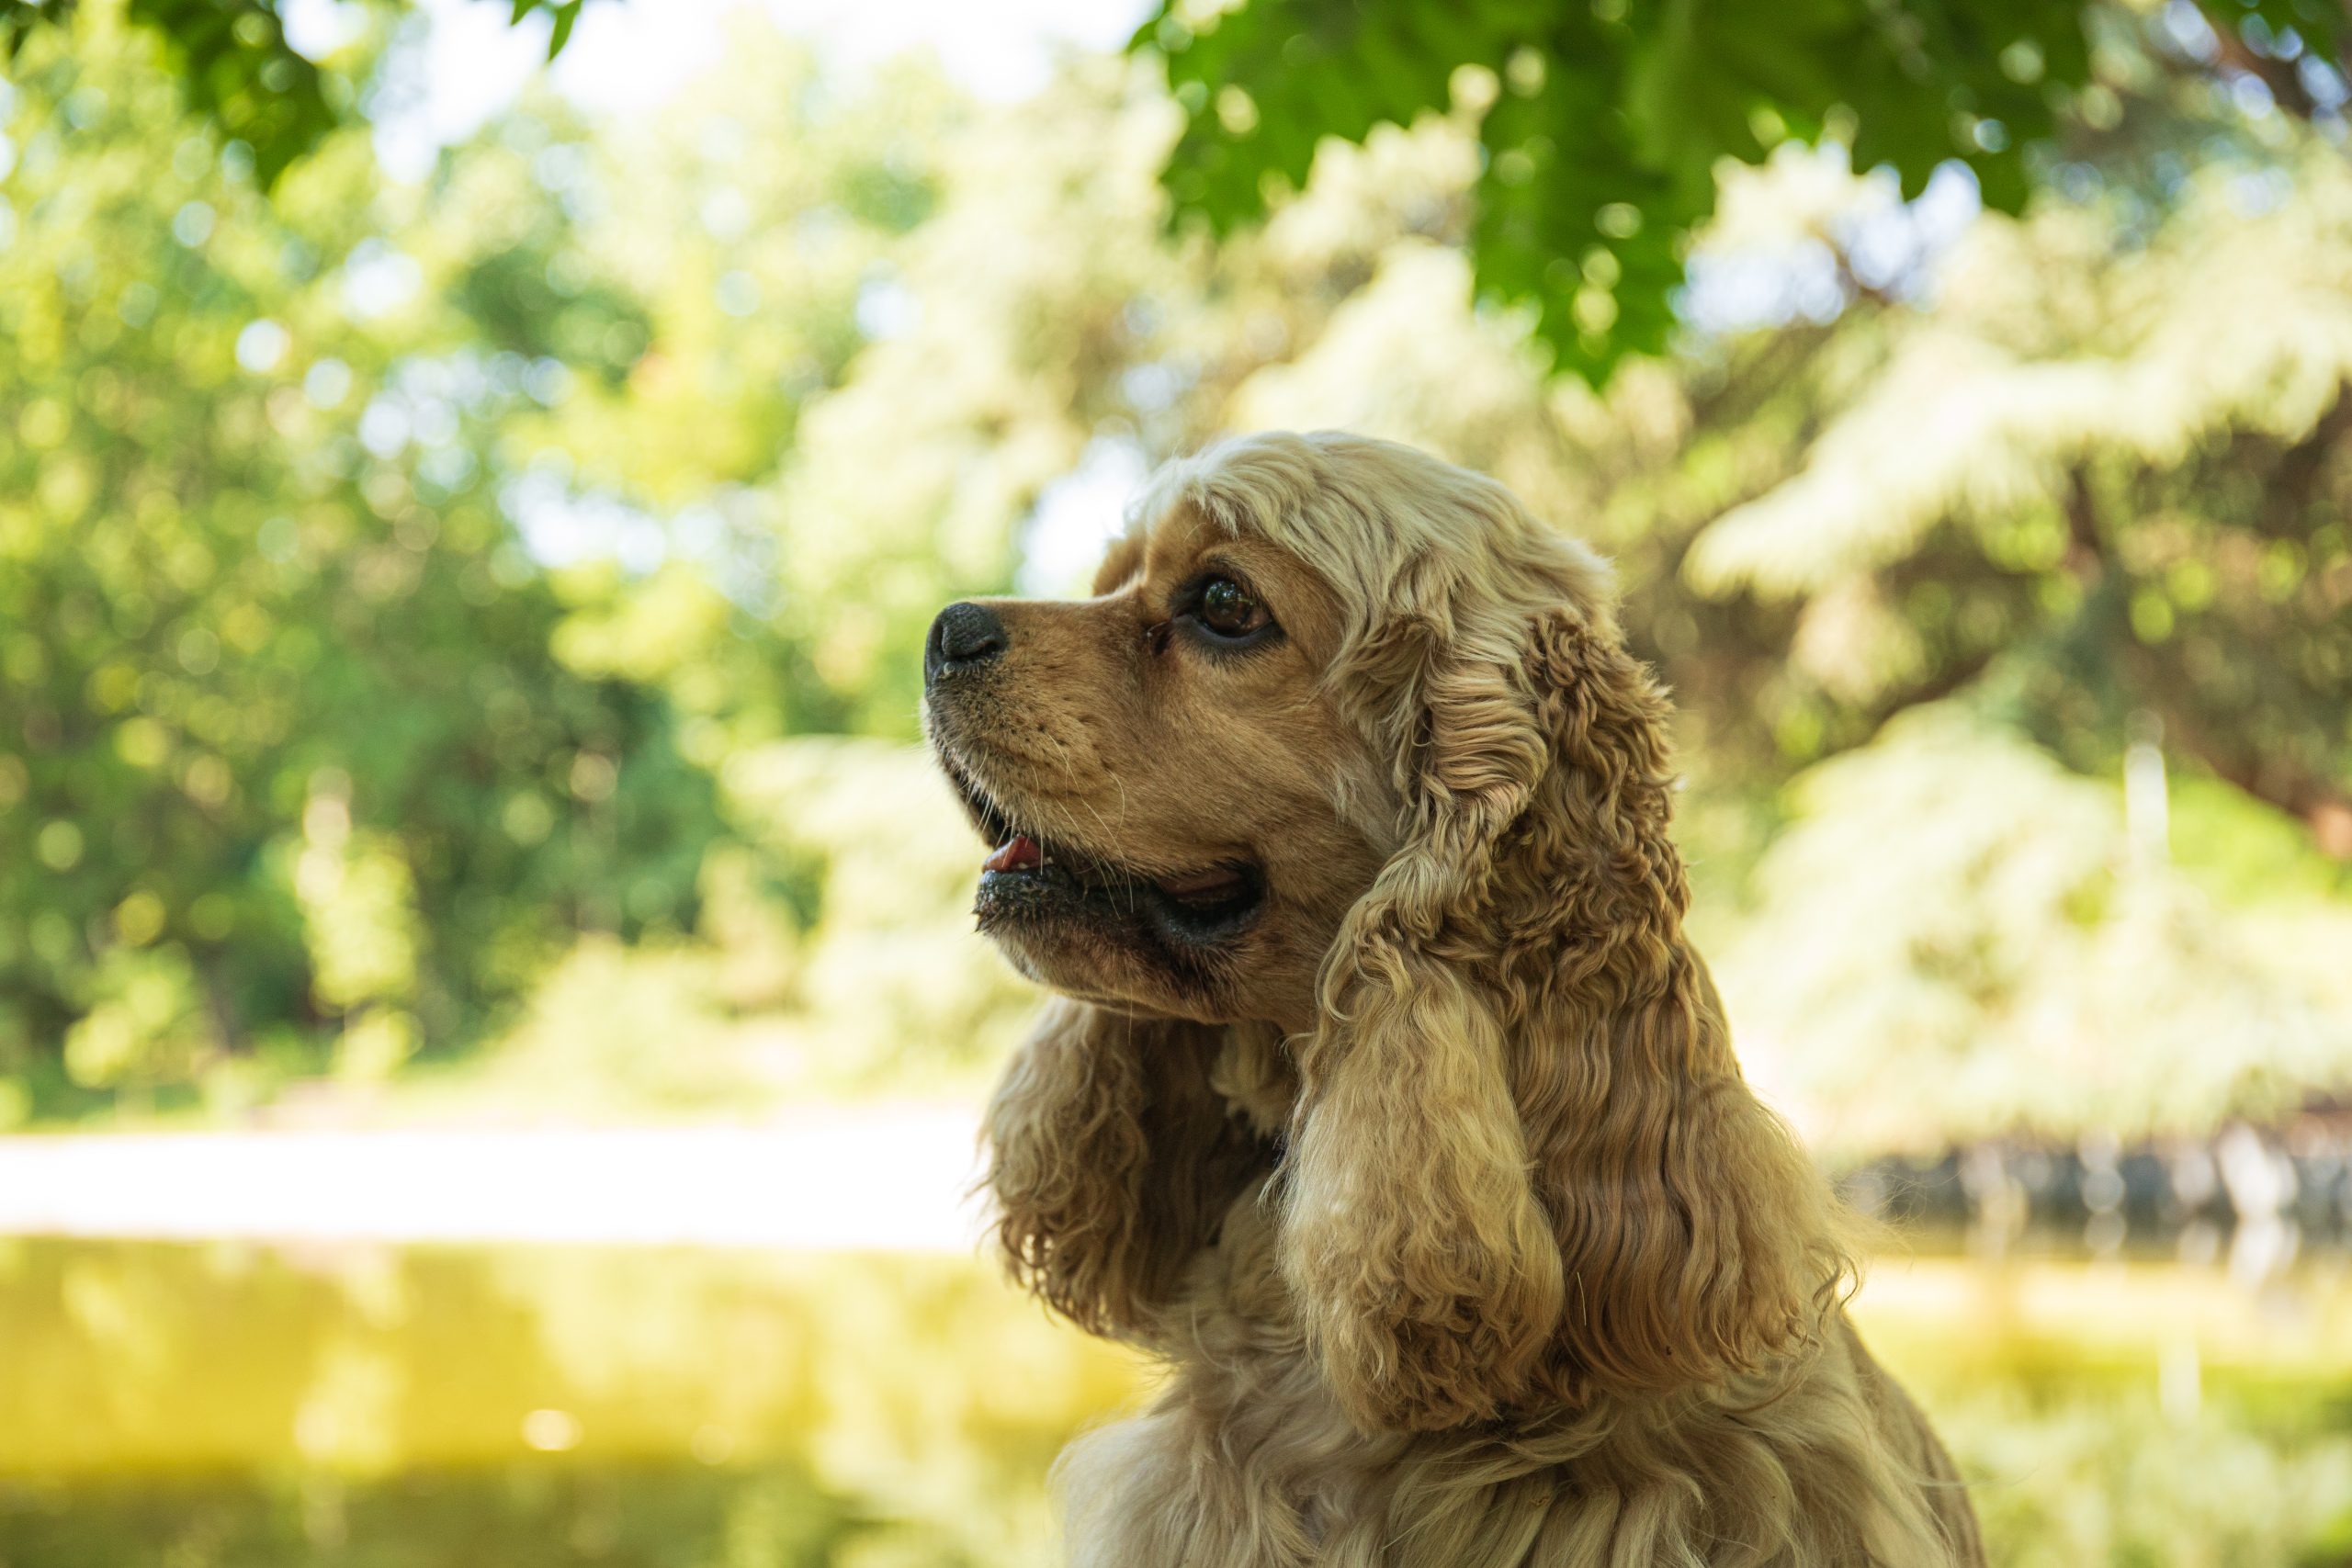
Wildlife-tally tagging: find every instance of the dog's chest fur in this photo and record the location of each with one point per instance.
(1247, 1460)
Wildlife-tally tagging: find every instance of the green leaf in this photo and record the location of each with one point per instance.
(1636, 110)
(1311, 69)
(237, 68)
(566, 16)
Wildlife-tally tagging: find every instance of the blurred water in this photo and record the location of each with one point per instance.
(516, 1406)
(242, 1405)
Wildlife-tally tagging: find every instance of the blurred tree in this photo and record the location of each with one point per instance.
(2086, 486)
(1003, 363)
(238, 71)
(286, 754)
(1952, 906)
(2073, 494)
(759, 229)
(600, 464)
(1601, 126)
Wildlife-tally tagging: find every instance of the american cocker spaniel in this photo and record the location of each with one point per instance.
(1384, 1097)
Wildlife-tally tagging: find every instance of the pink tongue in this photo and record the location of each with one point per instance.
(1017, 853)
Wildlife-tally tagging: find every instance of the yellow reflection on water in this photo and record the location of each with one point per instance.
(131, 1356)
(894, 1394)
(245, 1406)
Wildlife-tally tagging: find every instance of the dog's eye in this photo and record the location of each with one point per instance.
(1227, 609)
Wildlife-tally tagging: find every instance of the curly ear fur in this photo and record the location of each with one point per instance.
(1525, 1166)
(1423, 1263)
(1699, 1240)
(1111, 1160)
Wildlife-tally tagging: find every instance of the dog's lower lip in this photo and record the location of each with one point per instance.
(1211, 888)
(1026, 878)
(1203, 909)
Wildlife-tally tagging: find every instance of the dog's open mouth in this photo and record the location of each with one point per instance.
(1032, 878)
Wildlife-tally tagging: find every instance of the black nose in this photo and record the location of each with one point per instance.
(964, 635)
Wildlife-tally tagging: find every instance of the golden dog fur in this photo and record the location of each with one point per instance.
(1435, 1179)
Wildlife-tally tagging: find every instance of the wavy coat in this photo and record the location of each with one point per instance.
(1499, 1262)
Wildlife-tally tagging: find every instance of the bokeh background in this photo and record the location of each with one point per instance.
(489, 1022)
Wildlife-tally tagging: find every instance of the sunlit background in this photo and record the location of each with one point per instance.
(489, 1027)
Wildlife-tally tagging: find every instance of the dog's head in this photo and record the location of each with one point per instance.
(1180, 811)
(1347, 744)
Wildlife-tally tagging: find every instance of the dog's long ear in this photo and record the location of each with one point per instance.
(1111, 1160)
(1697, 1240)
(1424, 1266)
(1524, 1164)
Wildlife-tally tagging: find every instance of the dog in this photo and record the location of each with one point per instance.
(1383, 1095)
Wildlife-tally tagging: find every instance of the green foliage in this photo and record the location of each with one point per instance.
(1603, 125)
(597, 488)
(2060, 978)
(2095, 509)
(289, 751)
(705, 279)
(1823, 527)
(2140, 1489)
(884, 985)
(238, 72)
(835, 957)
(235, 67)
